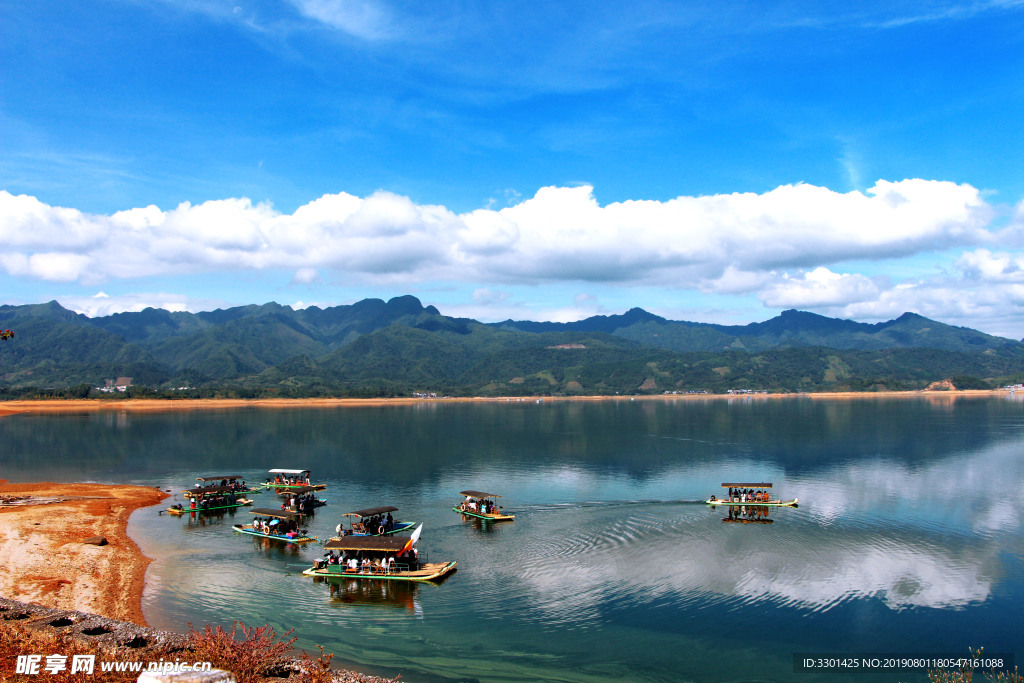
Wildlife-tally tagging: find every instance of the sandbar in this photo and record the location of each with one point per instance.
(43, 559)
(158, 405)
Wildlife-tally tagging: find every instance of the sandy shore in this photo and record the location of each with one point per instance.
(43, 559)
(156, 405)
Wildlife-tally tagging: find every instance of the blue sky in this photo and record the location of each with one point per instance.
(715, 163)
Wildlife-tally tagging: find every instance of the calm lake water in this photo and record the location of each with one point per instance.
(908, 538)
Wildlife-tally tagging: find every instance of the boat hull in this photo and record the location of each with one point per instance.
(298, 539)
(431, 571)
(767, 503)
(490, 517)
(183, 511)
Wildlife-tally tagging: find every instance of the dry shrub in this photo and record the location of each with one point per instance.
(254, 655)
(251, 658)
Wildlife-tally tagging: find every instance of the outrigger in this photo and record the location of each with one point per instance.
(229, 482)
(211, 499)
(744, 493)
(281, 525)
(477, 504)
(290, 479)
(372, 522)
(385, 558)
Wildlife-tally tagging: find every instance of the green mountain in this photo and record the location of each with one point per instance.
(399, 347)
(790, 328)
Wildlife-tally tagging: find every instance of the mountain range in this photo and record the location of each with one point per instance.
(399, 347)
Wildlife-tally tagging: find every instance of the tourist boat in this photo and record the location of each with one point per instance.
(380, 558)
(755, 494)
(301, 499)
(224, 482)
(211, 499)
(290, 479)
(477, 501)
(370, 524)
(285, 519)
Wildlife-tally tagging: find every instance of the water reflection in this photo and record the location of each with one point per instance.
(348, 592)
(749, 514)
(909, 534)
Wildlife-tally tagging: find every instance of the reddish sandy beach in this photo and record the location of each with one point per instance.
(43, 559)
(78, 405)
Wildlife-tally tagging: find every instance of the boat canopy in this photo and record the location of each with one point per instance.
(300, 490)
(479, 494)
(232, 477)
(389, 544)
(271, 512)
(762, 485)
(370, 512)
(292, 472)
(210, 489)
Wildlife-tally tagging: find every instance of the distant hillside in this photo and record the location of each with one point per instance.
(790, 328)
(399, 347)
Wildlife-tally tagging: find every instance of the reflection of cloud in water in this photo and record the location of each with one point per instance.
(573, 578)
(979, 492)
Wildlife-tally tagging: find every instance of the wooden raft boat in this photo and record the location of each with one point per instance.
(476, 502)
(291, 479)
(361, 524)
(746, 493)
(379, 558)
(286, 518)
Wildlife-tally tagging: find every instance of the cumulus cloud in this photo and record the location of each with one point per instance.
(817, 288)
(103, 304)
(778, 245)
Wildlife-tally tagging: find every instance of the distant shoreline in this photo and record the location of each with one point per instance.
(156, 405)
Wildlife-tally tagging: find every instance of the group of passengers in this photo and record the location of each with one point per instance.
(291, 481)
(225, 486)
(232, 484)
(483, 506)
(739, 495)
(376, 525)
(303, 502)
(288, 528)
(206, 502)
(369, 562)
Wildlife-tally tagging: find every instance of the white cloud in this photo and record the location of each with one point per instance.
(367, 19)
(984, 266)
(306, 276)
(778, 245)
(817, 288)
(102, 304)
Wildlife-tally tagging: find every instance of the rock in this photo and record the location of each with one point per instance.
(95, 540)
